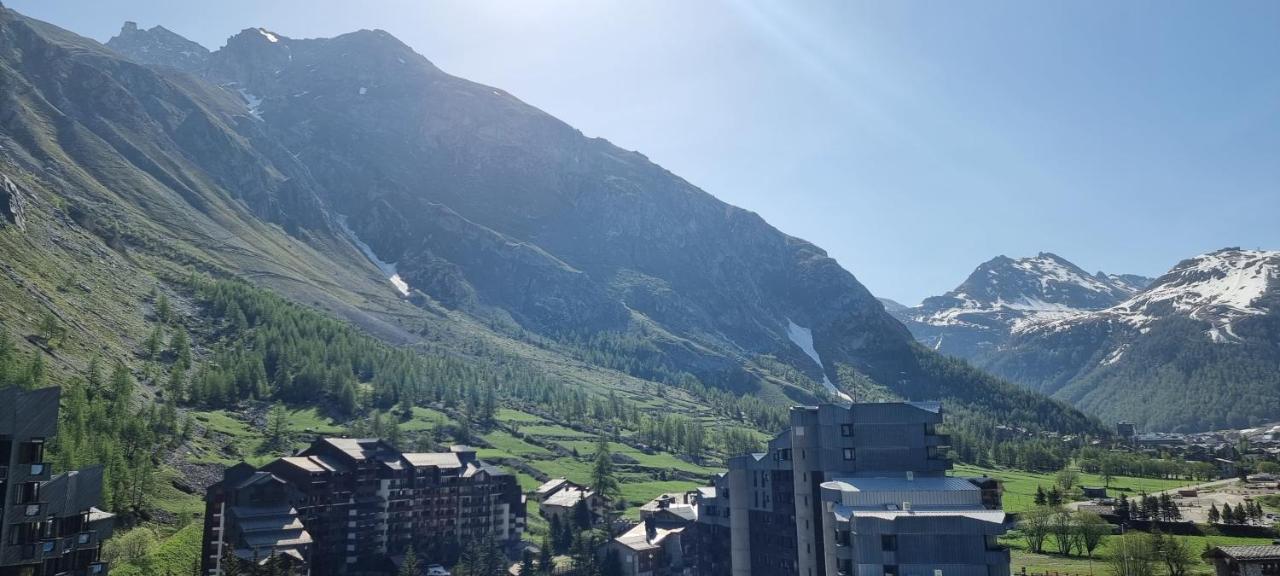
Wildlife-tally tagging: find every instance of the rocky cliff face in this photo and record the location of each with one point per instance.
(12, 204)
(159, 47)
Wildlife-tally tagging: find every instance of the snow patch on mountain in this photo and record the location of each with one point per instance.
(253, 102)
(803, 338)
(387, 268)
(1219, 288)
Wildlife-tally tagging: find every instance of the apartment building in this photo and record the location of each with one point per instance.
(353, 507)
(51, 523)
(857, 490)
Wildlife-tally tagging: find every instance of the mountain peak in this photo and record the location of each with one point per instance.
(159, 46)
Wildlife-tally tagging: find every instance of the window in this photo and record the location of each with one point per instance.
(889, 543)
(846, 430)
(848, 453)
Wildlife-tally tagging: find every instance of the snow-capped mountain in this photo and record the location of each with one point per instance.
(1198, 349)
(1005, 295)
(1218, 288)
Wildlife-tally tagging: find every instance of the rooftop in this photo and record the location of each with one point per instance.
(436, 459)
(1246, 552)
(902, 484)
(568, 497)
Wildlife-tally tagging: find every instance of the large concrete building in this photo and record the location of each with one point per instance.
(51, 523)
(352, 507)
(857, 490)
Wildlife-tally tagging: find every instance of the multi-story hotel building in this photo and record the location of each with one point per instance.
(355, 506)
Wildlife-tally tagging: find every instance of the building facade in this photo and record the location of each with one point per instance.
(665, 542)
(355, 506)
(51, 522)
(853, 490)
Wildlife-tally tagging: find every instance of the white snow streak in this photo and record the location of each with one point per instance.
(803, 337)
(388, 268)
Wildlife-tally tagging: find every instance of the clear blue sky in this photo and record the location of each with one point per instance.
(912, 140)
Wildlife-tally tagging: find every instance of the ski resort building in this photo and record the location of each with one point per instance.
(51, 522)
(355, 506)
(857, 490)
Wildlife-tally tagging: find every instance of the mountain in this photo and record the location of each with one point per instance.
(159, 47)
(1005, 295)
(1197, 350)
(892, 306)
(479, 203)
(1193, 350)
(352, 176)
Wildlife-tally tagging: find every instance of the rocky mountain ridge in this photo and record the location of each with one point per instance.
(1006, 295)
(1192, 350)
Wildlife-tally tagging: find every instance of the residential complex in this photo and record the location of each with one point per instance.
(51, 525)
(355, 506)
(855, 490)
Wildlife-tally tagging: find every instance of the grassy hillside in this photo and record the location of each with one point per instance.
(1020, 486)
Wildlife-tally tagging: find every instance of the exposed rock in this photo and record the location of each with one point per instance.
(12, 203)
(160, 47)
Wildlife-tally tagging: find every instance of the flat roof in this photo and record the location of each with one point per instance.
(993, 516)
(436, 459)
(901, 484)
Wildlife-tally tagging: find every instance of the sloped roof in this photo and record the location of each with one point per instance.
(552, 485)
(1246, 552)
(433, 459)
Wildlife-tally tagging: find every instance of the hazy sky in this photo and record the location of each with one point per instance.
(912, 140)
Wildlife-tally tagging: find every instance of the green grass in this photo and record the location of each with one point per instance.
(1020, 486)
(304, 419)
(508, 415)
(659, 461)
(554, 431)
(174, 555)
(424, 419)
(167, 497)
(504, 445)
(1041, 563)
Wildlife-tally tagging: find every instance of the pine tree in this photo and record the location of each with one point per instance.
(229, 563)
(527, 567)
(1041, 499)
(411, 566)
(163, 311)
(1214, 515)
(277, 427)
(545, 557)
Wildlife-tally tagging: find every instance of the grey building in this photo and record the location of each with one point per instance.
(51, 522)
(854, 490)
